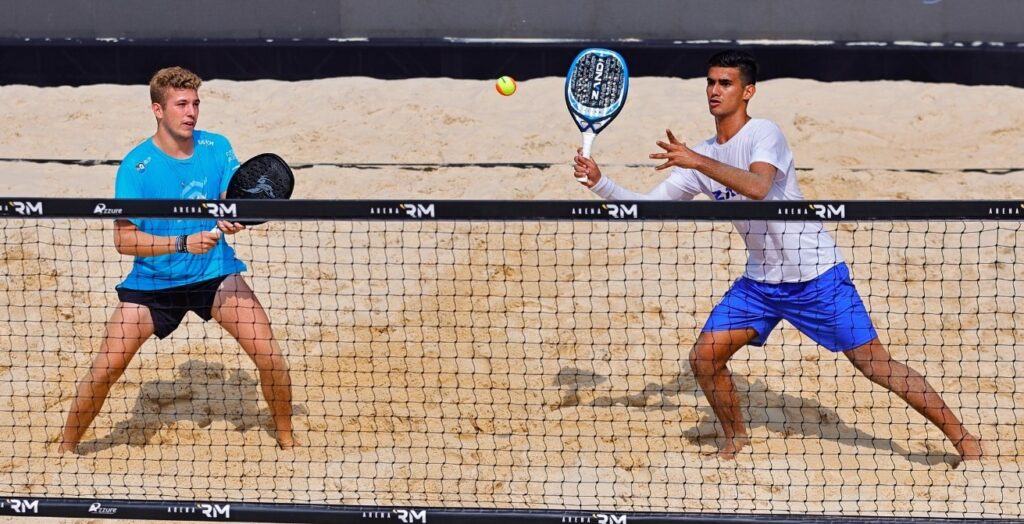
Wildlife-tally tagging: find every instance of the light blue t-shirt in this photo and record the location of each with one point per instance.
(149, 173)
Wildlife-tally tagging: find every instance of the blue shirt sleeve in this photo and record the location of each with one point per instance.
(127, 184)
(229, 166)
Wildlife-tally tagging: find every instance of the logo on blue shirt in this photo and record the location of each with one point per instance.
(195, 190)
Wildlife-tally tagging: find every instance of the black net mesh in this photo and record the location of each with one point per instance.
(519, 364)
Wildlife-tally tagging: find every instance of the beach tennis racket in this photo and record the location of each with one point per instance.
(262, 177)
(595, 91)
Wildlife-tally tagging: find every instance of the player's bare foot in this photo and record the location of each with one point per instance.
(970, 448)
(733, 446)
(67, 447)
(286, 441)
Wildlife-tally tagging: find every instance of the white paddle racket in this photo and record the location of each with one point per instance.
(595, 91)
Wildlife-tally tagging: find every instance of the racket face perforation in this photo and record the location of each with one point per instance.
(596, 88)
(262, 177)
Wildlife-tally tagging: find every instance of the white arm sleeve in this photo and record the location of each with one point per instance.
(681, 184)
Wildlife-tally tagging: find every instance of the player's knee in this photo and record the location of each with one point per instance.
(105, 375)
(279, 363)
(874, 361)
(703, 362)
(274, 362)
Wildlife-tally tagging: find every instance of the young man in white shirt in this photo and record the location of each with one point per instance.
(794, 270)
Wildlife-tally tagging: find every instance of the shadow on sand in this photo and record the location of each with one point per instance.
(200, 393)
(780, 413)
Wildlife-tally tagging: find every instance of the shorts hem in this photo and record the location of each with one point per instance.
(853, 347)
(759, 341)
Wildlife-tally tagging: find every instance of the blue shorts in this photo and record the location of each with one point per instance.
(828, 309)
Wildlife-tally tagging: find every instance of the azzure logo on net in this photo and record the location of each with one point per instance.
(102, 209)
(97, 508)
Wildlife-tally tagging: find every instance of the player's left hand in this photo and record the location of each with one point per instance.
(676, 154)
(229, 228)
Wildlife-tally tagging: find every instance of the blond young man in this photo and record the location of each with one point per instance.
(180, 265)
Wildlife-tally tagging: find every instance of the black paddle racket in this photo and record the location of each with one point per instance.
(262, 177)
(595, 91)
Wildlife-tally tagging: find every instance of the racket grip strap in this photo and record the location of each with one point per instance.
(588, 143)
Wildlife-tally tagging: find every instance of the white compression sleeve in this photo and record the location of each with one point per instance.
(606, 188)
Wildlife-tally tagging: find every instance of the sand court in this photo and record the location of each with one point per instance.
(522, 364)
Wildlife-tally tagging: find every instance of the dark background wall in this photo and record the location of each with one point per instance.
(882, 20)
(75, 42)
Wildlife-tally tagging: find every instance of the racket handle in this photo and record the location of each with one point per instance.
(216, 230)
(588, 143)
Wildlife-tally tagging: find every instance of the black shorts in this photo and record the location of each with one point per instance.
(169, 306)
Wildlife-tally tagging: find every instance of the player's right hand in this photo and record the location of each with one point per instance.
(586, 170)
(201, 242)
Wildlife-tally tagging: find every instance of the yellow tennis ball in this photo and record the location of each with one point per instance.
(505, 85)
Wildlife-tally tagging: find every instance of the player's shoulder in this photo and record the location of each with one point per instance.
(764, 126)
(208, 139)
(145, 147)
(140, 156)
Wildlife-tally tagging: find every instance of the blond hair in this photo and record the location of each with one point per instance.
(171, 78)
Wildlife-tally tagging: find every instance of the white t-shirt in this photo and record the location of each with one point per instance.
(777, 251)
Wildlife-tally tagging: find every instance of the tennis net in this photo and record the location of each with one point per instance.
(512, 360)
